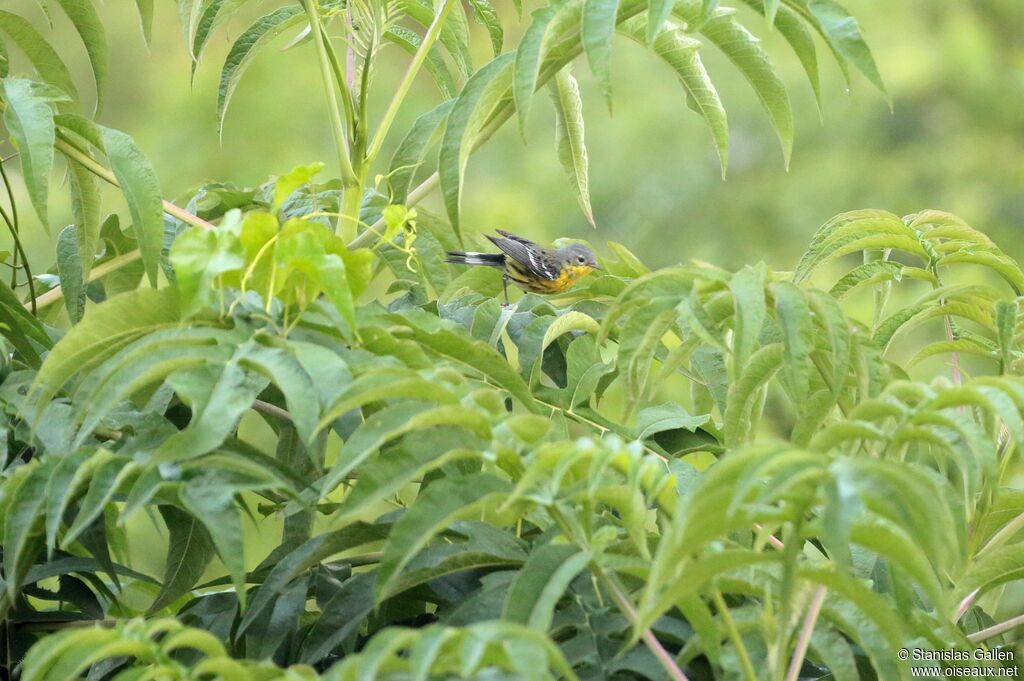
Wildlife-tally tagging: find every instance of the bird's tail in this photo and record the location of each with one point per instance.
(471, 258)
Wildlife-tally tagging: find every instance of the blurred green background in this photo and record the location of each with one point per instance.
(954, 139)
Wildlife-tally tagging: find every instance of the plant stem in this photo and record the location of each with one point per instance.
(410, 75)
(101, 270)
(813, 610)
(734, 634)
(19, 248)
(624, 604)
(348, 175)
(996, 629)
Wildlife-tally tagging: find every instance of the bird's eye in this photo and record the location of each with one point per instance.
(580, 259)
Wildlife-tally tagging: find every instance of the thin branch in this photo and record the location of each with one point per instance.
(410, 75)
(996, 629)
(805, 634)
(101, 270)
(271, 410)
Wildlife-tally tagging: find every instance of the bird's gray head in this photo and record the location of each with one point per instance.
(577, 255)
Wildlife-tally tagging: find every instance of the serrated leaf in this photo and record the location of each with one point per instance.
(681, 53)
(528, 59)
(596, 33)
(842, 32)
(410, 41)
(102, 332)
(541, 582)
(87, 23)
(245, 49)
(745, 51)
(141, 190)
(43, 57)
(189, 551)
(413, 148)
(487, 17)
(569, 139)
(668, 416)
(69, 267)
(481, 91)
(434, 509)
(29, 120)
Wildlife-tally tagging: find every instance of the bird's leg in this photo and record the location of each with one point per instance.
(504, 288)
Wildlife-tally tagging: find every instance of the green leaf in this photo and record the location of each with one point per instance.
(213, 504)
(682, 54)
(295, 178)
(597, 31)
(413, 148)
(87, 23)
(540, 583)
(245, 49)
(410, 41)
(480, 94)
(745, 51)
(109, 476)
(39, 52)
(572, 150)
(487, 17)
(792, 28)
(758, 369)
(658, 12)
(747, 287)
(200, 256)
(23, 524)
(435, 508)
(85, 207)
(189, 551)
(141, 190)
(69, 267)
(29, 120)
(528, 59)
(21, 328)
(102, 332)
(842, 32)
(145, 8)
(668, 416)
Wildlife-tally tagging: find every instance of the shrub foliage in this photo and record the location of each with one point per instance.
(686, 473)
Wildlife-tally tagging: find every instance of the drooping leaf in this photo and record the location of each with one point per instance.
(843, 33)
(69, 267)
(411, 150)
(43, 57)
(141, 189)
(29, 120)
(569, 141)
(189, 551)
(597, 32)
(480, 93)
(245, 49)
(540, 584)
(87, 23)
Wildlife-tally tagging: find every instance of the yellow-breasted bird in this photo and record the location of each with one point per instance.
(529, 266)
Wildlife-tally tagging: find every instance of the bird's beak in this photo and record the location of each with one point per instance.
(598, 267)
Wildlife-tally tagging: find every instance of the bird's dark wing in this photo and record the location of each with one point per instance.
(526, 253)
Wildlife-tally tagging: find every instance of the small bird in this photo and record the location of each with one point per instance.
(530, 267)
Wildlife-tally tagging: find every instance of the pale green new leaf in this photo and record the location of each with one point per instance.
(597, 32)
